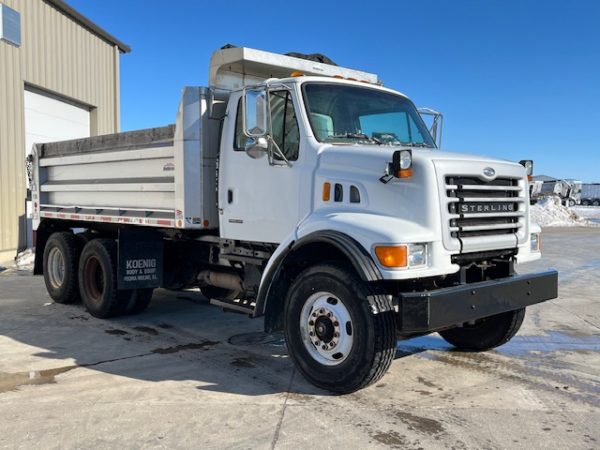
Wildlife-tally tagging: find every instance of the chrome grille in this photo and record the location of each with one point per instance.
(479, 207)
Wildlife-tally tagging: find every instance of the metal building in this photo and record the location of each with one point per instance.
(59, 79)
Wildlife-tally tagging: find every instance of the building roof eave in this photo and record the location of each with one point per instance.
(87, 23)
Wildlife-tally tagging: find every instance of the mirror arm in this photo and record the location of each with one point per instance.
(279, 153)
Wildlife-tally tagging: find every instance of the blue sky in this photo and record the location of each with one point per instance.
(514, 79)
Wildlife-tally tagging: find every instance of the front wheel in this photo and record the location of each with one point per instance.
(486, 333)
(333, 337)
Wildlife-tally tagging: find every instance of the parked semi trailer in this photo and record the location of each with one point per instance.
(590, 194)
(304, 193)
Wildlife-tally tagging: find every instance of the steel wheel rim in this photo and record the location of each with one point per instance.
(56, 268)
(326, 329)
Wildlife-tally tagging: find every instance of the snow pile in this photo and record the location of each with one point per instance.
(549, 212)
(25, 259)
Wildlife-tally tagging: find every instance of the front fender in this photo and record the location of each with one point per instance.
(370, 229)
(353, 251)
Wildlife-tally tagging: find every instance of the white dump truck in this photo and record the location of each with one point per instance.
(301, 192)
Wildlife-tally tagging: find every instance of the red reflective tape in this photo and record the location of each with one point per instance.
(75, 216)
(106, 219)
(164, 222)
(62, 216)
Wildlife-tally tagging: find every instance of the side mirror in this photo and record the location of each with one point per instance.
(436, 126)
(256, 147)
(255, 113)
(528, 164)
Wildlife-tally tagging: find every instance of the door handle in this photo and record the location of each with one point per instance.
(230, 196)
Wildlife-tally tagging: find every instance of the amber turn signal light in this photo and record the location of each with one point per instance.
(392, 256)
(326, 191)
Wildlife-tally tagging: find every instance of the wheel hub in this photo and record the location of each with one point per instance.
(327, 329)
(324, 328)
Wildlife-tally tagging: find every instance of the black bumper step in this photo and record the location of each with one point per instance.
(446, 307)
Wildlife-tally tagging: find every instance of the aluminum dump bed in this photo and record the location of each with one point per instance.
(162, 177)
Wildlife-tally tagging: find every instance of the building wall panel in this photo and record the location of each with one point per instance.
(58, 55)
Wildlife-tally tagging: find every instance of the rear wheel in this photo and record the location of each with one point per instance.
(486, 333)
(61, 259)
(98, 279)
(333, 336)
(596, 203)
(585, 202)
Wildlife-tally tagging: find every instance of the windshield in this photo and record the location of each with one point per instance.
(349, 114)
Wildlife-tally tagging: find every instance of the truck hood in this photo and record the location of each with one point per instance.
(385, 152)
(421, 199)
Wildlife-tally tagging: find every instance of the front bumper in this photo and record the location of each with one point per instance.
(422, 312)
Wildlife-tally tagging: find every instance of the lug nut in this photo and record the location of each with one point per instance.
(311, 322)
(336, 334)
(328, 314)
(317, 343)
(310, 333)
(324, 347)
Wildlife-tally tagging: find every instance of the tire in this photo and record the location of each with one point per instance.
(585, 203)
(98, 279)
(596, 203)
(486, 333)
(363, 344)
(139, 300)
(61, 260)
(571, 202)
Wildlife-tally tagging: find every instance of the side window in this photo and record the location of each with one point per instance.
(284, 124)
(239, 141)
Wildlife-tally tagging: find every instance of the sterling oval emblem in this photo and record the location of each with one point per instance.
(489, 172)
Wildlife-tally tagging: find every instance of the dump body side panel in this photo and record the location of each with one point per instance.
(163, 177)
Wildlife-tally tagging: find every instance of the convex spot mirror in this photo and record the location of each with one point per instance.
(256, 147)
(255, 113)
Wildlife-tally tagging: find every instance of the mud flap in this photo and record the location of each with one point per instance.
(140, 259)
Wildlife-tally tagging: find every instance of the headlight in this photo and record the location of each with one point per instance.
(402, 256)
(534, 242)
(417, 255)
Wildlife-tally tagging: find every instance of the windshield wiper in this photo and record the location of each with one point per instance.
(360, 136)
(416, 144)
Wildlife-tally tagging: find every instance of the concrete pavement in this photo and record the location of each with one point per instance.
(184, 374)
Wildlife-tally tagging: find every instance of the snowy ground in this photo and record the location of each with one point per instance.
(592, 213)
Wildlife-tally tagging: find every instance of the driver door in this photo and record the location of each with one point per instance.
(260, 201)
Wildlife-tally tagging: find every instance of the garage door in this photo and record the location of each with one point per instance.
(50, 119)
